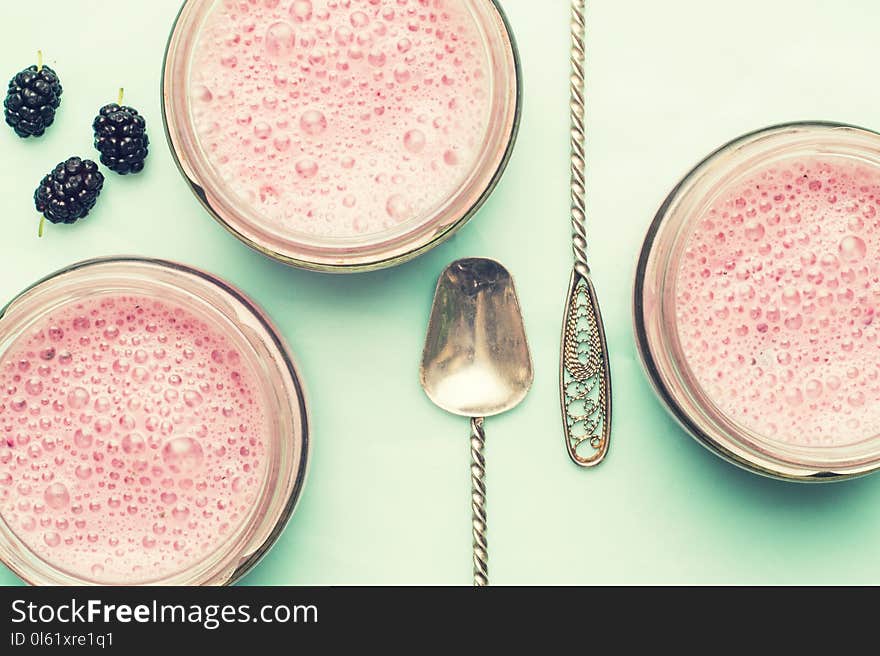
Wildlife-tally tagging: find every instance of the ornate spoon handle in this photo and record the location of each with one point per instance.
(585, 376)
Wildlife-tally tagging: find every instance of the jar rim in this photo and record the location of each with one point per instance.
(285, 478)
(684, 398)
(342, 255)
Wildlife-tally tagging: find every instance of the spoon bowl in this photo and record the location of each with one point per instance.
(476, 361)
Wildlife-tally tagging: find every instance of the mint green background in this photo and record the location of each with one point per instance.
(388, 495)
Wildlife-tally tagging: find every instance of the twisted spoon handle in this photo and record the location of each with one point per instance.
(585, 376)
(577, 110)
(478, 502)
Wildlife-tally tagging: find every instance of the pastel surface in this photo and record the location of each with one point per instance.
(388, 495)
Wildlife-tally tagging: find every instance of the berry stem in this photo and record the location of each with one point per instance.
(42, 226)
(121, 94)
(39, 61)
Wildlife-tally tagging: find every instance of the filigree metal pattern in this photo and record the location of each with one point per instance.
(585, 378)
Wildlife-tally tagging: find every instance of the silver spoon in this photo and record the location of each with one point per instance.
(584, 372)
(476, 364)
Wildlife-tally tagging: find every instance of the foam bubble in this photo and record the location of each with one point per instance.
(280, 40)
(301, 10)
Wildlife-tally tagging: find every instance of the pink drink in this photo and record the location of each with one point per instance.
(341, 118)
(132, 438)
(776, 300)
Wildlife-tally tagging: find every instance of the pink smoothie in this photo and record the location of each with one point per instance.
(132, 440)
(777, 298)
(341, 118)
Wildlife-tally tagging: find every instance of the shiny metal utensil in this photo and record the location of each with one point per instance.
(476, 364)
(584, 372)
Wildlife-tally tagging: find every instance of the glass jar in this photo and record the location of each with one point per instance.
(657, 328)
(245, 214)
(246, 328)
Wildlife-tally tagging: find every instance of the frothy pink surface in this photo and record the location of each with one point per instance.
(777, 299)
(341, 117)
(132, 439)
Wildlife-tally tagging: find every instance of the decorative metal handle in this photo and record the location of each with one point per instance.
(478, 503)
(578, 139)
(584, 372)
(585, 376)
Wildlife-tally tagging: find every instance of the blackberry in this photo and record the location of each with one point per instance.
(69, 192)
(121, 138)
(33, 96)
